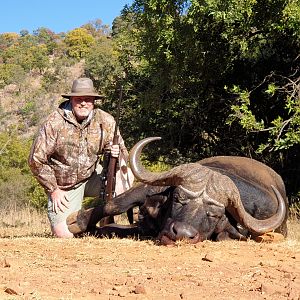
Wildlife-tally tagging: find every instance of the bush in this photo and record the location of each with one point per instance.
(11, 73)
(18, 188)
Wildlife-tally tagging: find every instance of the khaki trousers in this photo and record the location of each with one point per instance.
(89, 188)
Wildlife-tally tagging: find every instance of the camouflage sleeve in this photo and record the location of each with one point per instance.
(41, 149)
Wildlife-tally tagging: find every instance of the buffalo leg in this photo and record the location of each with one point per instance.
(225, 231)
(81, 220)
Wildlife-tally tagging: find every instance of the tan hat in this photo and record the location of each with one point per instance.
(83, 87)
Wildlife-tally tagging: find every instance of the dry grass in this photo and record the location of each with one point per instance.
(294, 230)
(25, 222)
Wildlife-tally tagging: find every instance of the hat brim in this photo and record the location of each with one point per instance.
(97, 96)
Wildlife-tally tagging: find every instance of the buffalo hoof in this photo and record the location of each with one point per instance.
(78, 221)
(269, 237)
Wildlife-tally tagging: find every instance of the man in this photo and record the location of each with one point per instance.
(65, 154)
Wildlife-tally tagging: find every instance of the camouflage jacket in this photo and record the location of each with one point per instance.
(65, 152)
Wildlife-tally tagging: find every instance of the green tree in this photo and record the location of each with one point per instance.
(24, 32)
(97, 29)
(28, 55)
(17, 186)
(102, 65)
(39, 58)
(8, 39)
(196, 52)
(78, 42)
(11, 73)
(47, 37)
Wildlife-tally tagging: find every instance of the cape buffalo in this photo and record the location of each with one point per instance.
(215, 198)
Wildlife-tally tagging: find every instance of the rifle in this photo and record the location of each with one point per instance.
(110, 165)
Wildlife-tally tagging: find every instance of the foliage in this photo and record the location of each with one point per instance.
(101, 64)
(28, 56)
(46, 37)
(36, 195)
(209, 64)
(7, 39)
(10, 73)
(295, 208)
(158, 166)
(13, 153)
(16, 184)
(282, 133)
(97, 29)
(78, 42)
(13, 189)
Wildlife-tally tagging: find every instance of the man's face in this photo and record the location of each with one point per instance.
(82, 106)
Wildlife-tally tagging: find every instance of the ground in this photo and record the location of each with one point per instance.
(90, 268)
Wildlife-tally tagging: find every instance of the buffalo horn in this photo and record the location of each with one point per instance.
(166, 178)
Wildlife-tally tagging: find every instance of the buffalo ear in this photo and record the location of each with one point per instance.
(215, 213)
(153, 204)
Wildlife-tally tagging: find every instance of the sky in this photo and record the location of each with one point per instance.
(56, 15)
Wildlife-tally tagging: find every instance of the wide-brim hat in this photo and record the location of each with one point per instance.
(82, 87)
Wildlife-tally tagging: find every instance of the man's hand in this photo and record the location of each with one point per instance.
(59, 200)
(115, 151)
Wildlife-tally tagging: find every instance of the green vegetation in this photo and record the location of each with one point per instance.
(210, 77)
(78, 42)
(18, 188)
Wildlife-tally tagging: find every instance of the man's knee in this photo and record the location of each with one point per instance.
(61, 230)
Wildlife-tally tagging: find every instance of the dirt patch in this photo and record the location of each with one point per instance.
(90, 268)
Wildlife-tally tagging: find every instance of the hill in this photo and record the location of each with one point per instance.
(24, 107)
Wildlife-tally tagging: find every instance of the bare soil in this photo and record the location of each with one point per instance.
(90, 268)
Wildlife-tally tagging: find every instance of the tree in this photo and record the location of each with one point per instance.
(7, 39)
(17, 187)
(24, 32)
(78, 42)
(11, 73)
(47, 37)
(29, 57)
(101, 64)
(28, 53)
(199, 56)
(97, 29)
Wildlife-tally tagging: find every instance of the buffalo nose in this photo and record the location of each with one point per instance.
(182, 230)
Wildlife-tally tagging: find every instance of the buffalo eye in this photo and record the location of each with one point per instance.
(212, 214)
(180, 198)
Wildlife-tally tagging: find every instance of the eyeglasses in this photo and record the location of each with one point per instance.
(78, 99)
